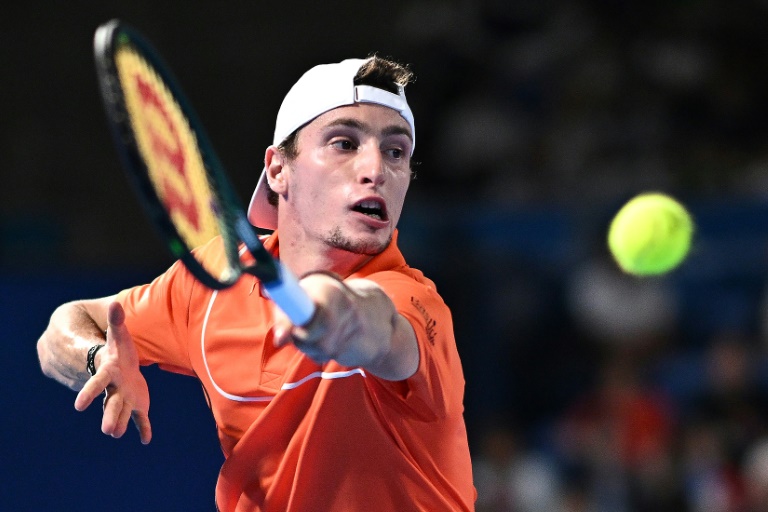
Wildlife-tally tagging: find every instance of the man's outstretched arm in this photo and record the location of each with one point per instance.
(63, 348)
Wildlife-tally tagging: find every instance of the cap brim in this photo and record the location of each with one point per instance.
(260, 213)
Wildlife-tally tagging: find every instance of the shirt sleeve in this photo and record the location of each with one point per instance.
(157, 317)
(436, 389)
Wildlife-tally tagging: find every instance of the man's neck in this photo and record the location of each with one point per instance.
(304, 256)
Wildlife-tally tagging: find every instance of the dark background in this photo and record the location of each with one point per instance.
(535, 120)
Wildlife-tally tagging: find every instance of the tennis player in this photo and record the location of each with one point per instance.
(362, 409)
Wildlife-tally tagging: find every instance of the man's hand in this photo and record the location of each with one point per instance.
(355, 324)
(117, 372)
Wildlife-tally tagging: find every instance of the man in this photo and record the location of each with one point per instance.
(362, 409)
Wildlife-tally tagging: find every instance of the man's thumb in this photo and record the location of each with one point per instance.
(116, 320)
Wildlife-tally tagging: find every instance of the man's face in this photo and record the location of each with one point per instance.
(347, 185)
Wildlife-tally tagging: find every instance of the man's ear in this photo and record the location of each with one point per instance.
(274, 160)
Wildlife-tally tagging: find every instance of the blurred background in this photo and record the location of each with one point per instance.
(586, 390)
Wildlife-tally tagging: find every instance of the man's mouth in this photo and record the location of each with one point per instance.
(373, 208)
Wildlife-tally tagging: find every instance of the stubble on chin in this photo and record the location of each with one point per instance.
(338, 240)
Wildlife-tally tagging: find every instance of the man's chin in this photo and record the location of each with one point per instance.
(363, 245)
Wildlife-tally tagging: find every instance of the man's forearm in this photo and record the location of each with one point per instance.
(63, 346)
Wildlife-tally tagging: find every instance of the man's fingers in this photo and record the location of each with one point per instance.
(113, 406)
(315, 330)
(122, 421)
(305, 338)
(141, 420)
(281, 331)
(314, 352)
(117, 414)
(94, 387)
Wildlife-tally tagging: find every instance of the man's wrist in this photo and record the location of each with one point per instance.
(90, 361)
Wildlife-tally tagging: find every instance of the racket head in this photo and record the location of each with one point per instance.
(166, 153)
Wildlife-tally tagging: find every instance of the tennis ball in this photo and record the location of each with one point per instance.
(650, 235)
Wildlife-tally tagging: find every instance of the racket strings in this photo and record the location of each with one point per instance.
(170, 149)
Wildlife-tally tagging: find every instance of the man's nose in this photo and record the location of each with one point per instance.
(371, 165)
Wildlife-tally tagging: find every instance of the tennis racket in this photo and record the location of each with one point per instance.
(178, 177)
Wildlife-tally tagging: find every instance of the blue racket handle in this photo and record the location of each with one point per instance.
(290, 297)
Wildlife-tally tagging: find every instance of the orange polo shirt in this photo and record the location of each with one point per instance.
(299, 436)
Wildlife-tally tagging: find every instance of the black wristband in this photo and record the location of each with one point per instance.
(90, 365)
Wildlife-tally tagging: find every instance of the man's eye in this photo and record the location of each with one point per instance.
(344, 144)
(396, 153)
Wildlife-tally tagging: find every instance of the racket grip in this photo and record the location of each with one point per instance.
(290, 297)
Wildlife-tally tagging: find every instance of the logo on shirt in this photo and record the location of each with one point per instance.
(429, 322)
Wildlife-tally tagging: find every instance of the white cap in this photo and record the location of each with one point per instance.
(319, 90)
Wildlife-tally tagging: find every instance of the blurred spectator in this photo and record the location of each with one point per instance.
(755, 474)
(618, 310)
(711, 481)
(616, 442)
(511, 477)
(731, 398)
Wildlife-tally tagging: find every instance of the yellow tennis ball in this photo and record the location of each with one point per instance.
(650, 235)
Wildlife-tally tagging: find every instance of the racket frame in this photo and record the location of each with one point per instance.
(280, 284)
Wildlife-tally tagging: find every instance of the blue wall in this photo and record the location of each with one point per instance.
(56, 458)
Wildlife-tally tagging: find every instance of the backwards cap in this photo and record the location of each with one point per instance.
(319, 90)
